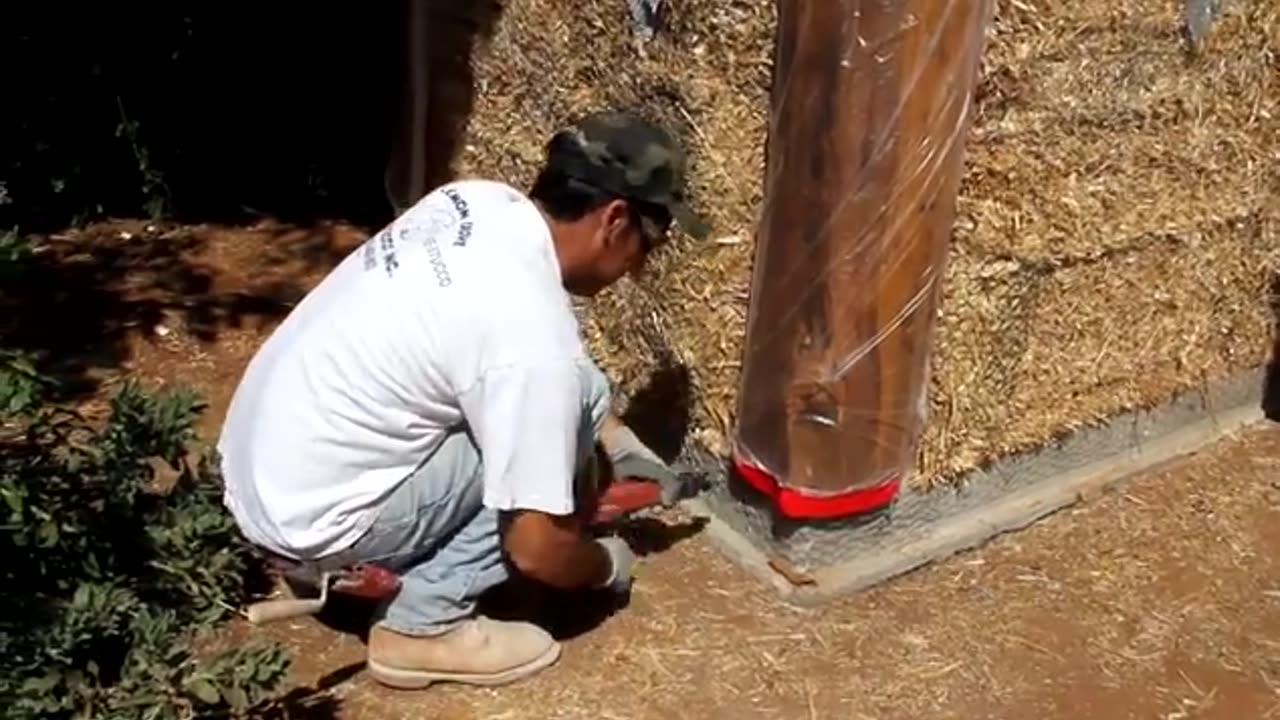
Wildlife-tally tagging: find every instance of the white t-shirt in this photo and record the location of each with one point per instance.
(454, 313)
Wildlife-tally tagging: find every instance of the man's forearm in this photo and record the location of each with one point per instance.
(585, 564)
(549, 549)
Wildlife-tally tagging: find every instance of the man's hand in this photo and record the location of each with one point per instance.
(551, 549)
(633, 459)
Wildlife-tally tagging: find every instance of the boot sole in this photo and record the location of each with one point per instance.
(403, 679)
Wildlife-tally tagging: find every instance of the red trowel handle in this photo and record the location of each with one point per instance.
(626, 496)
(372, 582)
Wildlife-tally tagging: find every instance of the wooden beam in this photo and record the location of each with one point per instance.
(870, 110)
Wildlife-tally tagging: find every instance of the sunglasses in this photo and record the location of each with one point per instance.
(653, 221)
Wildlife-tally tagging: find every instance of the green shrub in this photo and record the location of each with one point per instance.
(15, 254)
(113, 568)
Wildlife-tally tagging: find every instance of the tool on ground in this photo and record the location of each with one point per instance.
(362, 580)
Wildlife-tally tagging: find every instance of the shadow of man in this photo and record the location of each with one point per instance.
(660, 412)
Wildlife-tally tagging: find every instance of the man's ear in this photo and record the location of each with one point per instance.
(615, 217)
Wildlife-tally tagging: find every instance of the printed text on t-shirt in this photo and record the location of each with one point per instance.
(464, 212)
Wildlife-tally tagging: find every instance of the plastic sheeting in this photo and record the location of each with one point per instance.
(1198, 17)
(870, 109)
(645, 17)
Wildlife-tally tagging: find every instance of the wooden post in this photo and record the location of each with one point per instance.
(870, 108)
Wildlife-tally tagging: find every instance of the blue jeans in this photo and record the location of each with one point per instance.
(436, 533)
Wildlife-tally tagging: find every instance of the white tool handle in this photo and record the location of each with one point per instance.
(271, 610)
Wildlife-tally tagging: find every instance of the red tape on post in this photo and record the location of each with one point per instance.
(799, 506)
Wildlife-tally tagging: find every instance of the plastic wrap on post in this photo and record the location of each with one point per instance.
(870, 108)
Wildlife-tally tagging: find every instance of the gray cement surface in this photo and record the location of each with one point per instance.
(820, 562)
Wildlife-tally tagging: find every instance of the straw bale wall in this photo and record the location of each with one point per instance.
(1118, 226)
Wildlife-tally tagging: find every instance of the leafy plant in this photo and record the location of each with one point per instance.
(15, 253)
(20, 385)
(153, 186)
(113, 568)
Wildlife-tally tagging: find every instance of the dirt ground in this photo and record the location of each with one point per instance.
(1161, 599)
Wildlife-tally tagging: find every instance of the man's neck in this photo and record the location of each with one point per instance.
(563, 246)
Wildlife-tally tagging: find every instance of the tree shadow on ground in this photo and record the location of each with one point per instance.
(1271, 386)
(77, 301)
(303, 704)
(312, 703)
(227, 111)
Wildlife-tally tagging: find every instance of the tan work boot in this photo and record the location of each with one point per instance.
(478, 651)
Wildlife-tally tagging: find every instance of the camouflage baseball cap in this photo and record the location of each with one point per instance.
(631, 158)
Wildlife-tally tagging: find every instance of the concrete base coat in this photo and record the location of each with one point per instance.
(812, 564)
